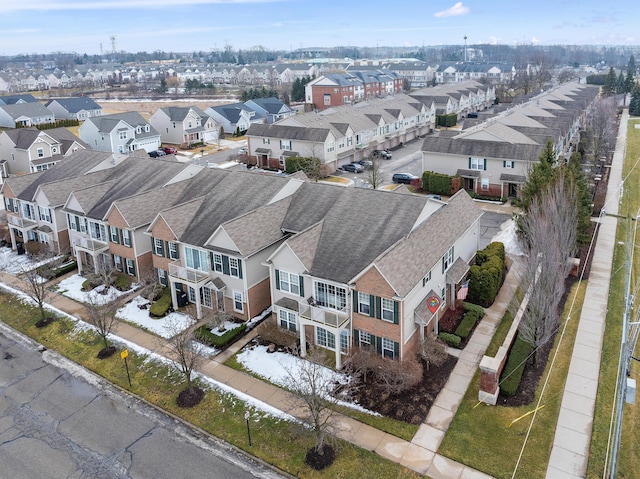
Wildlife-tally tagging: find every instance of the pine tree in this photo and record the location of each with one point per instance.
(540, 176)
(610, 83)
(634, 104)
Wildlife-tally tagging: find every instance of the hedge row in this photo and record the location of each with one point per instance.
(162, 305)
(447, 120)
(437, 183)
(485, 277)
(451, 339)
(206, 336)
(467, 324)
(512, 372)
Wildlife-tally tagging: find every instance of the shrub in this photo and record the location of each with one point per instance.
(122, 282)
(474, 307)
(485, 277)
(397, 376)
(162, 305)
(451, 339)
(271, 333)
(512, 372)
(206, 336)
(90, 283)
(467, 324)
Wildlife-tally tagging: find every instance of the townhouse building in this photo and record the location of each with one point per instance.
(184, 126)
(380, 278)
(119, 133)
(342, 134)
(77, 108)
(34, 201)
(493, 156)
(26, 150)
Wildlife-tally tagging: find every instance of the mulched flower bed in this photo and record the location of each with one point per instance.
(450, 320)
(411, 406)
(190, 397)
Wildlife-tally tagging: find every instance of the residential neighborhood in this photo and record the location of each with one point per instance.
(341, 262)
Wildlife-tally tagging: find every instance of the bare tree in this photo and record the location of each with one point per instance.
(362, 363)
(433, 351)
(183, 353)
(102, 315)
(549, 232)
(313, 387)
(150, 286)
(103, 273)
(37, 280)
(395, 376)
(376, 176)
(601, 128)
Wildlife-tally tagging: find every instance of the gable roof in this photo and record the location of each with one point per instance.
(30, 110)
(107, 123)
(75, 104)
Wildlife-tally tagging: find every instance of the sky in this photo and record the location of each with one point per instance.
(86, 26)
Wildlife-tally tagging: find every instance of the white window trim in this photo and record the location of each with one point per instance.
(237, 298)
(388, 308)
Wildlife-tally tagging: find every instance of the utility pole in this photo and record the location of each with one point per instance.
(465, 48)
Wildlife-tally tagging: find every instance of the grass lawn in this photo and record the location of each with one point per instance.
(628, 455)
(274, 440)
(481, 436)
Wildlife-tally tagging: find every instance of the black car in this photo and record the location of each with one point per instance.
(352, 168)
(157, 153)
(405, 178)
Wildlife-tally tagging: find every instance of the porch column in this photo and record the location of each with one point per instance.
(338, 355)
(79, 261)
(174, 296)
(12, 233)
(303, 341)
(198, 305)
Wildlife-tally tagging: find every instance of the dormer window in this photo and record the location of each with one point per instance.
(147, 128)
(138, 130)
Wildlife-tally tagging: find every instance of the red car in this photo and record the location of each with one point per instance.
(170, 150)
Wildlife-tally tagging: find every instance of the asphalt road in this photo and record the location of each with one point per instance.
(56, 424)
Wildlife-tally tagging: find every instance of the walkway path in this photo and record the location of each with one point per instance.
(570, 451)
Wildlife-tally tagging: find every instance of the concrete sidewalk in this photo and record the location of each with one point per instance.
(570, 451)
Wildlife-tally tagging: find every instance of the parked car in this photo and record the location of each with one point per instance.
(366, 164)
(384, 154)
(157, 153)
(243, 151)
(405, 178)
(170, 150)
(352, 168)
(435, 197)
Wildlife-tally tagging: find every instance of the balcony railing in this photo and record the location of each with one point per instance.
(90, 244)
(328, 317)
(20, 222)
(188, 275)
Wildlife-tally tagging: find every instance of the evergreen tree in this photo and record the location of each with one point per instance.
(577, 180)
(541, 174)
(621, 85)
(630, 81)
(610, 83)
(634, 104)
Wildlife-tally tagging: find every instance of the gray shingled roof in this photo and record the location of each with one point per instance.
(484, 149)
(107, 123)
(277, 130)
(76, 104)
(427, 243)
(30, 110)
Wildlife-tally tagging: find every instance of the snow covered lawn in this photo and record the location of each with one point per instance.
(15, 264)
(164, 327)
(71, 287)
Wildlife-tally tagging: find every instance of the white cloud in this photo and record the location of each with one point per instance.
(494, 40)
(534, 40)
(457, 9)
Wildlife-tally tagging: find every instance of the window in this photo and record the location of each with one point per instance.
(40, 153)
(289, 282)
(237, 301)
(44, 238)
(162, 277)
(266, 141)
(206, 297)
(388, 348)
(331, 146)
(325, 338)
(350, 141)
(45, 214)
(365, 338)
(131, 267)
(387, 309)
(196, 259)
(173, 250)
(426, 279)
(126, 238)
(285, 145)
(28, 211)
(288, 319)
(327, 99)
(217, 262)
(509, 164)
(122, 135)
(447, 260)
(191, 294)
(234, 268)
(117, 262)
(115, 234)
(158, 246)
(484, 183)
(98, 231)
(330, 296)
(341, 143)
(364, 303)
(344, 341)
(477, 164)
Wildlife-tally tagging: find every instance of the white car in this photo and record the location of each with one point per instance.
(243, 151)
